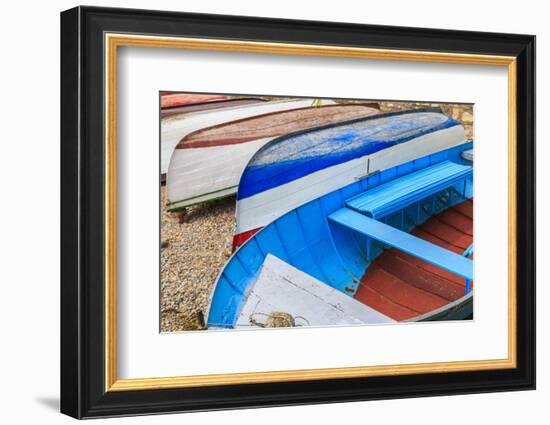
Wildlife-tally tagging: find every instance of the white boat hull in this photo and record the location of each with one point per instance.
(174, 129)
(201, 174)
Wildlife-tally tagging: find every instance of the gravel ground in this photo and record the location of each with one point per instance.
(195, 246)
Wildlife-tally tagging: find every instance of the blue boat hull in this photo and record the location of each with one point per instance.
(308, 241)
(297, 168)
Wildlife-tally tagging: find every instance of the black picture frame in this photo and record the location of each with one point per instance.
(83, 392)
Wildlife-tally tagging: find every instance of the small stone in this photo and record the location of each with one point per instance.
(181, 216)
(196, 254)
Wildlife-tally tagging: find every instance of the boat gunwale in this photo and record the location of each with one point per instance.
(209, 102)
(215, 96)
(169, 112)
(181, 143)
(459, 301)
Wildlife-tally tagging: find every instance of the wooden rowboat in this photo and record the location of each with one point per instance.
(176, 128)
(297, 168)
(172, 100)
(208, 106)
(208, 163)
(393, 246)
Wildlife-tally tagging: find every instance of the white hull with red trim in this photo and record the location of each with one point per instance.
(174, 129)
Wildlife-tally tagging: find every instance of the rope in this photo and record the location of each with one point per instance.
(276, 319)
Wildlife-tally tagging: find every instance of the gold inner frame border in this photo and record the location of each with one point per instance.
(113, 40)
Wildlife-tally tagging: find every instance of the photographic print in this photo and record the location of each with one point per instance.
(292, 212)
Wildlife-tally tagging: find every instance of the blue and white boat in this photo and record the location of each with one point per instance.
(374, 244)
(297, 168)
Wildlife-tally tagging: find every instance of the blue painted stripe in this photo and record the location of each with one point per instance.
(294, 156)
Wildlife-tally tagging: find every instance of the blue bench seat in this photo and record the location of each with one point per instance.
(403, 191)
(405, 242)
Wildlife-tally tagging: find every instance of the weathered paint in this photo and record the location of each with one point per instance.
(207, 106)
(295, 169)
(280, 162)
(305, 301)
(306, 240)
(273, 124)
(213, 158)
(175, 128)
(172, 100)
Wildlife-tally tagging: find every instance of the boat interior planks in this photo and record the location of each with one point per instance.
(392, 282)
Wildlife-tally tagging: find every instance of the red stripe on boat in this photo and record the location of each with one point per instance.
(241, 238)
(179, 99)
(216, 142)
(274, 124)
(208, 106)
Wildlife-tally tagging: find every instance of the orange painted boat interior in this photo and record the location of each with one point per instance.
(402, 286)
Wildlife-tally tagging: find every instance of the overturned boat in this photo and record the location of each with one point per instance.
(294, 169)
(207, 163)
(174, 129)
(392, 245)
(172, 100)
(208, 105)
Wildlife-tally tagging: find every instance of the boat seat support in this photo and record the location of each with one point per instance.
(412, 245)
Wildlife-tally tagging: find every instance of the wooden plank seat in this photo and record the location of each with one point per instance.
(412, 245)
(403, 191)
